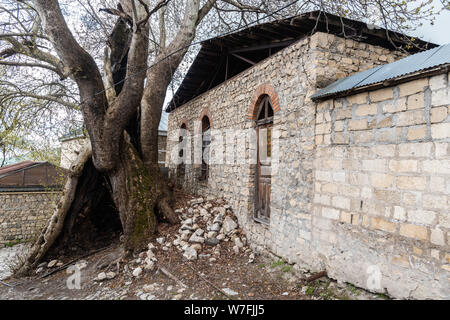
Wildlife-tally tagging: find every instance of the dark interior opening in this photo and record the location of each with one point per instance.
(92, 221)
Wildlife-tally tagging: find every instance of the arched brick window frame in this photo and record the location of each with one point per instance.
(181, 168)
(261, 91)
(185, 122)
(205, 112)
(204, 167)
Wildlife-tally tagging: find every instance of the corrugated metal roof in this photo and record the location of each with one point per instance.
(216, 61)
(422, 61)
(17, 166)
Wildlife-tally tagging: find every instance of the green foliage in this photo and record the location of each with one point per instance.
(310, 290)
(382, 296)
(277, 263)
(286, 268)
(12, 243)
(353, 289)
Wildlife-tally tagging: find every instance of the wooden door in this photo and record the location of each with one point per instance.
(263, 166)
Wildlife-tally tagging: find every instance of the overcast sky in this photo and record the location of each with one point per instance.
(439, 32)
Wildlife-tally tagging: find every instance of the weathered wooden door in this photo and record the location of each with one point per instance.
(263, 166)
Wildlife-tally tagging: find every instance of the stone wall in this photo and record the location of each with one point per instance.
(70, 149)
(24, 214)
(347, 167)
(382, 169)
(162, 144)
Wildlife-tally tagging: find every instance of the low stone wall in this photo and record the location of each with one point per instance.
(70, 149)
(24, 214)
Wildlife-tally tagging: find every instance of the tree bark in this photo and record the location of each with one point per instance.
(57, 220)
(135, 194)
(138, 188)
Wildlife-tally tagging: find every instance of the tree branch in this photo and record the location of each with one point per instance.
(47, 97)
(88, 78)
(30, 50)
(26, 64)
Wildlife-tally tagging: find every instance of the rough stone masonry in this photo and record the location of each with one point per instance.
(24, 214)
(362, 186)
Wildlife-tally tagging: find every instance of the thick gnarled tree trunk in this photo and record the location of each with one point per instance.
(137, 193)
(127, 160)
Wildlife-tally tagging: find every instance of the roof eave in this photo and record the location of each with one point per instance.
(387, 83)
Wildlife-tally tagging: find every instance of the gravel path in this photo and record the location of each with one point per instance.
(7, 255)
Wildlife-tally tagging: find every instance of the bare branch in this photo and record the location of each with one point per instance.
(26, 64)
(158, 6)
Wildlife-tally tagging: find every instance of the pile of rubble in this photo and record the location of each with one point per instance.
(206, 226)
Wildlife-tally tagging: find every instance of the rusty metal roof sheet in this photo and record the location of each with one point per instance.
(17, 166)
(423, 61)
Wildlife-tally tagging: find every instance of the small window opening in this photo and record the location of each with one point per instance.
(206, 141)
(181, 166)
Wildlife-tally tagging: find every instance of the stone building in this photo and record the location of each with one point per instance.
(352, 181)
(28, 193)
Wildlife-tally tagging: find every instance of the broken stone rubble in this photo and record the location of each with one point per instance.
(205, 223)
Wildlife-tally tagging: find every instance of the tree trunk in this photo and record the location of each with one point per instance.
(135, 194)
(57, 220)
(138, 195)
(139, 190)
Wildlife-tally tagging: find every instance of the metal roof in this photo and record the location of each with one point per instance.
(30, 174)
(221, 58)
(423, 61)
(17, 167)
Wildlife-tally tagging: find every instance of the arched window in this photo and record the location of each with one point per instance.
(182, 144)
(265, 112)
(206, 141)
(264, 122)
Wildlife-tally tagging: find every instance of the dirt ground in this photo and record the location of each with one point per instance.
(229, 275)
(265, 278)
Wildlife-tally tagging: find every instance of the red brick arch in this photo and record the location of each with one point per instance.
(185, 122)
(264, 89)
(205, 112)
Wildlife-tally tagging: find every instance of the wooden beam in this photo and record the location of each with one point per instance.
(244, 59)
(264, 46)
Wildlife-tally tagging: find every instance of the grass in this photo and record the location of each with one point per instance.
(353, 289)
(277, 264)
(13, 243)
(327, 295)
(321, 289)
(286, 268)
(382, 296)
(310, 290)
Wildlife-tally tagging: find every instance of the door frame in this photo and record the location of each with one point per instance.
(266, 122)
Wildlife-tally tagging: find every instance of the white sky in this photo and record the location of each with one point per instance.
(438, 33)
